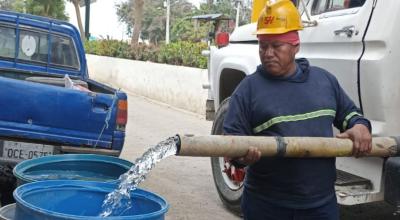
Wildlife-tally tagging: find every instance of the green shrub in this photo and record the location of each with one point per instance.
(111, 48)
(145, 52)
(182, 53)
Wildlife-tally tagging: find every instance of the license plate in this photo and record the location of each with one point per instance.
(19, 151)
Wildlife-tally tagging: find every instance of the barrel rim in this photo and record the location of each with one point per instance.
(110, 186)
(21, 167)
(6, 208)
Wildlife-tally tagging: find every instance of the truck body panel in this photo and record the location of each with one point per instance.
(54, 114)
(329, 46)
(356, 42)
(49, 112)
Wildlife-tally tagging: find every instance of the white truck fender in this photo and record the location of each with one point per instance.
(236, 61)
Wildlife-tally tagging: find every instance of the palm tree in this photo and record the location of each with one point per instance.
(6, 4)
(78, 17)
(137, 8)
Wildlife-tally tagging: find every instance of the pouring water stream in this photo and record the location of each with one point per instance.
(118, 201)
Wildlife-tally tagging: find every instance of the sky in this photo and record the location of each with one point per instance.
(103, 19)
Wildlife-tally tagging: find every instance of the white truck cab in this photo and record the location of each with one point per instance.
(357, 41)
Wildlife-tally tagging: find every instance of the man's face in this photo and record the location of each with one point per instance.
(278, 57)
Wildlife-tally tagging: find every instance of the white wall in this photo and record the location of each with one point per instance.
(174, 85)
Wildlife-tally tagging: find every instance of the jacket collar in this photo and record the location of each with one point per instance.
(301, 75)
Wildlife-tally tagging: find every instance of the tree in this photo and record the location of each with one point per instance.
(125, 14)
(228, 9)
(78, 17)
(48, 8)
(153, 18)
(188, 30)
(6, 4)
(154, 21)
(246, 12)
(137, 9)
(224, 7)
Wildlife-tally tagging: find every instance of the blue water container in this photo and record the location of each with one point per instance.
(7, 212)
(89, 167)
(81, 200)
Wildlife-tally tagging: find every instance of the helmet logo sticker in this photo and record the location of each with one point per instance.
(269, 19)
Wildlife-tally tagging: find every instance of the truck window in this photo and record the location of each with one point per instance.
(63, 52)
(33, 46)
(7, 42)
(321, 6)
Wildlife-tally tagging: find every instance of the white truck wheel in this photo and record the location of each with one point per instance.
(229, 191)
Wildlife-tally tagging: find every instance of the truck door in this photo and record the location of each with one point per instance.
(336, 42)
(55, 114)
(43, 112)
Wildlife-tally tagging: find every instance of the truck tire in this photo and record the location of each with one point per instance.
(229, 192)
(7, 185)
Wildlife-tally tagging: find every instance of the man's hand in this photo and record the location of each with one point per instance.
(252, 156)
(361, 137)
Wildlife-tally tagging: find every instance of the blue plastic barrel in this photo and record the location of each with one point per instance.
(88, 167)
(80, 200)
(7, 212)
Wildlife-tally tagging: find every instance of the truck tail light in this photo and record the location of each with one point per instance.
(222, 39)
(122, 114)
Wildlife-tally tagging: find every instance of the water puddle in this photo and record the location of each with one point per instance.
(119, 200)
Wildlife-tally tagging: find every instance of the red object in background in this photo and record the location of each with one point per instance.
(235, 174)
(122, 113)
(222, 39)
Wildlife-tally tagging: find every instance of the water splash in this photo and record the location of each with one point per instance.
(118, 201)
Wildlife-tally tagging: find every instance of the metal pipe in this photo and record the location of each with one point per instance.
(237, 146)
(167, 22)
(238, 5)
(87, 19)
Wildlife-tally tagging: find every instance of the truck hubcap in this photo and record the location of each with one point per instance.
(233, 177)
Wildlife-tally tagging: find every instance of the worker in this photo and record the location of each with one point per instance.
(288, 97)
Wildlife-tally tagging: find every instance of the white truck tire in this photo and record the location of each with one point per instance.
(229, 194)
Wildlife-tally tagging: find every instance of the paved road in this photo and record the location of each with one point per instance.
(185, 182)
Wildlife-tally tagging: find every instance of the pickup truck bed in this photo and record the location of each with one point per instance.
(53, 114)
(40, 114)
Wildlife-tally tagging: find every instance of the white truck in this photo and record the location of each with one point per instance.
(357, 41)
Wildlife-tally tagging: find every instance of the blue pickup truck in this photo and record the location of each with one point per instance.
(39, 115)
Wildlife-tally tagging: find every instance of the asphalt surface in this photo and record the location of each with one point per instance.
(187, 183)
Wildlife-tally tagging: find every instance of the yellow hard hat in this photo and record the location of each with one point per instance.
(279, 17)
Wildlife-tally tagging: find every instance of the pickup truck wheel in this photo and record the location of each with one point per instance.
(228, 180)
(7, 185)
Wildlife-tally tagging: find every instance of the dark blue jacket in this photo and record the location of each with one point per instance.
(305, 104)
